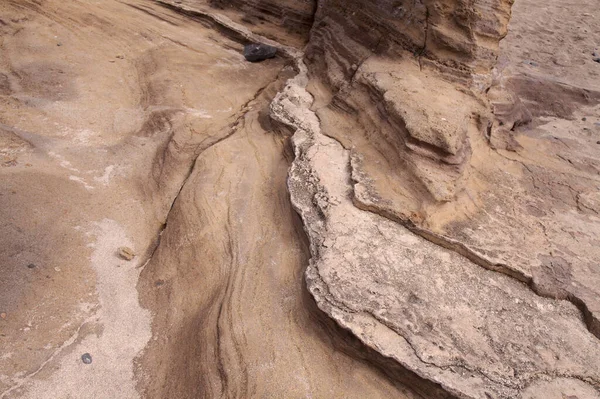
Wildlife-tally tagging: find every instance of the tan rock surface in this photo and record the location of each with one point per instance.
(523, 206)
(432, 310)
(448, 203)
(101, 120)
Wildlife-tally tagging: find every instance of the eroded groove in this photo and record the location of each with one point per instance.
(232, 130)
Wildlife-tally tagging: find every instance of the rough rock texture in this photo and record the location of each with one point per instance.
(459, 37)
(412, 150)
(393, 215)
(434, 311)
(408, 79)
(525, 206)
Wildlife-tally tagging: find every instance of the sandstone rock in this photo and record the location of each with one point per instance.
(458, 37)
(268, 17)
(425, 306)
(444, 242)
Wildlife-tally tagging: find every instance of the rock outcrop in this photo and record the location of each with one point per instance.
(459, 37)
(381, 210)
(432, 310)
(405, 203)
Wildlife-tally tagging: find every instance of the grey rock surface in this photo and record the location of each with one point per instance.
(257, 52)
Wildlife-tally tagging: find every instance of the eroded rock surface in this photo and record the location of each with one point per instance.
(396, 205)
(432, 310)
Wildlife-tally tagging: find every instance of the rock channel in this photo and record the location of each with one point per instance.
(389, 207)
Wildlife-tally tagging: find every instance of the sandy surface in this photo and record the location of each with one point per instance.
(101, 119)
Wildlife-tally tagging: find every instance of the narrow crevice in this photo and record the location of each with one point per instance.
(423, 48)
(233, 127)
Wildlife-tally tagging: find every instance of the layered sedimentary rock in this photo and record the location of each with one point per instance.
(413, 146)
(458, 36)
(410, 74)
(434, 156)
(271, 17)
(432, 310)
(419, 236)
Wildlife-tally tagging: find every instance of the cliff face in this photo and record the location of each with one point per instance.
(458, 37)
(407, 79)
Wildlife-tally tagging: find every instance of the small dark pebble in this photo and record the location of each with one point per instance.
(597, 142)
(532, 63)
(256, 52)
(584, 119)
(31, 266)
(597, 59)
(59, 44)
(86, 358)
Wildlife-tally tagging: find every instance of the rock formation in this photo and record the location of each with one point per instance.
(399, 204)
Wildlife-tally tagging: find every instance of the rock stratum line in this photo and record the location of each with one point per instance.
(402, 204)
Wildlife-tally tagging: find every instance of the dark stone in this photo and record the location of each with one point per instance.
(597, 60)
(31, 266)
(256, 52)
(86, 358)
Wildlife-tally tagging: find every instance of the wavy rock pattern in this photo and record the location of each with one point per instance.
(392, 215)
(459, 37)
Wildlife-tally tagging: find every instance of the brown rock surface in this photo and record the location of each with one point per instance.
(435, 312)
(446, 183)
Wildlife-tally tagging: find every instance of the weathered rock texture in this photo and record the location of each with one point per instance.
(413, 148)
(431, 309)
(446, 243)
(459, 36)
